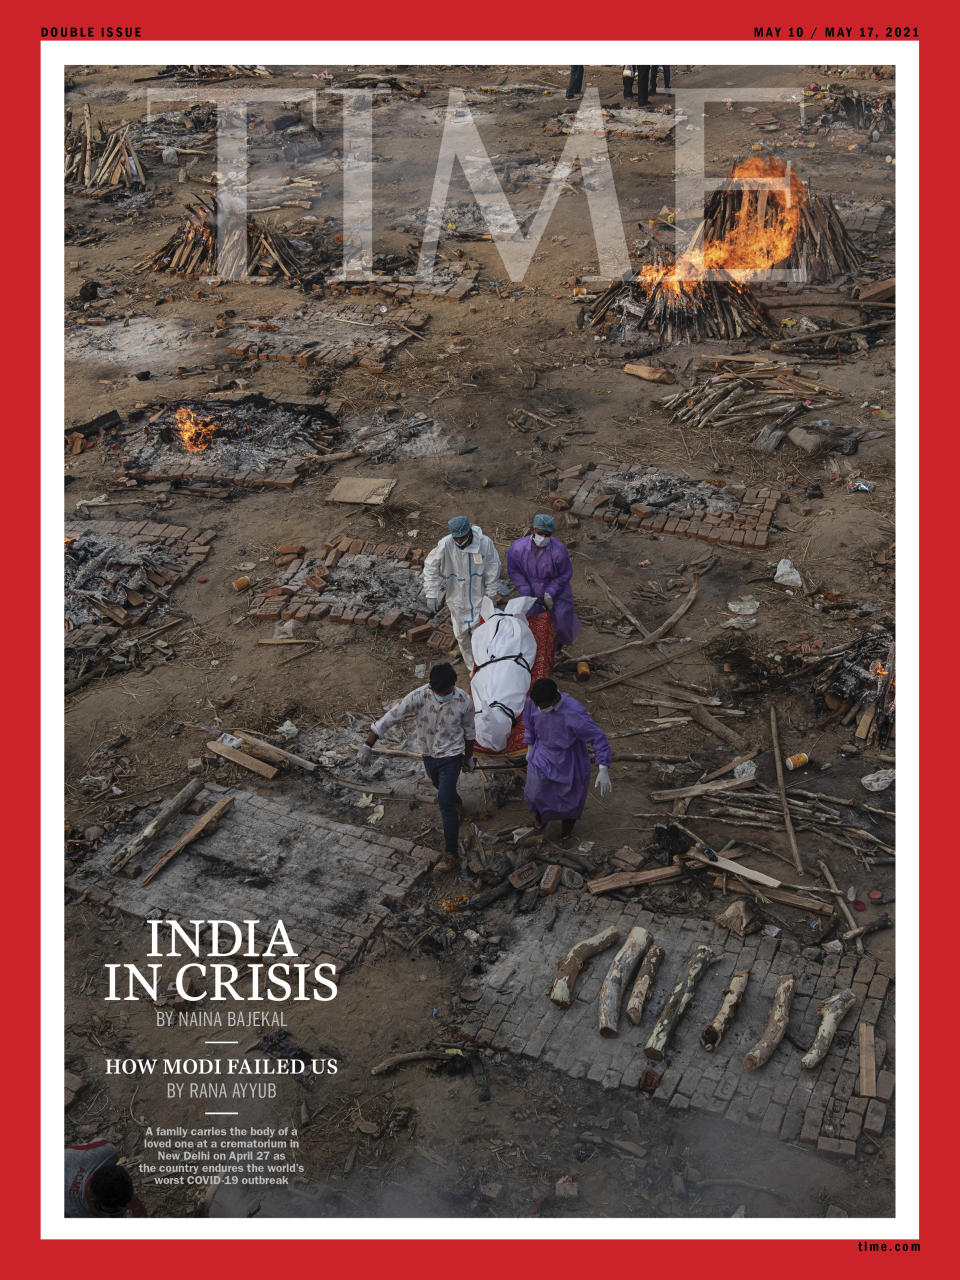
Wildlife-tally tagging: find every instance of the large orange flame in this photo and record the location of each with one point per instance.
(196, 433)
(763, 235)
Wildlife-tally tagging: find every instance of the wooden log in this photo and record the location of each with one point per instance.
(568, 970)
(832, 1012)
(702, 788)
(841, 903)
(677, 1001)
(630, 675)
(785, 896)
(619, 974)
(202, 825)
(712, 1033)
(776, 1026)
(241, 758)
(629, 879)
(787, 821)
(644, 984)
(721, 731)
(717, 863)
(275, 753)
(153, 828)
(868, 1061)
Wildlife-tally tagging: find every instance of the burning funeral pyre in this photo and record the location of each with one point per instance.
(747, 230)
(195, 249)
(250, 442)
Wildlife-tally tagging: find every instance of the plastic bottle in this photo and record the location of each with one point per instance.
(583, 671)
(797, 761)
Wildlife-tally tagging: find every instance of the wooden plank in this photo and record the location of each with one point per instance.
(627, 879)
(370, 492)
(702, 789)
(784, 896)
(721, 731)
(724, 864)
(868, 1061)
(241, 758)
(211, 817)
(275, 753)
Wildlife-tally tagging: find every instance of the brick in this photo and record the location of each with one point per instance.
(878, 987)
(851, 1125)
(420, 634)
(871, 1011)
(875, 1117)
(773, 1118)
(885, 1085)
(296, 550)
(550, 881)
(837, 1147)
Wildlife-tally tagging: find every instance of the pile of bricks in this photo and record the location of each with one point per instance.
(197, 472)
(304, 576)
(823, 1106)
(744, 523)
(404, 286)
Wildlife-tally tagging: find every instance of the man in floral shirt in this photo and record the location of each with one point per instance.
(446, 733)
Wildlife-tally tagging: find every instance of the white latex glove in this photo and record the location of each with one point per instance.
(603, 780)
(548, 599)
(433, 603)
(364, 755)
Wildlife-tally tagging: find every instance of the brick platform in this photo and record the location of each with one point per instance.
(304, 577)
(819, 1106)
(742, 520)
(269, 860)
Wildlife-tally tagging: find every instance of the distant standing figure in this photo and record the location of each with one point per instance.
(642, 76)
(558, 730)
(575, 83)
(666, 79)
(540, 566)
(95, 1184)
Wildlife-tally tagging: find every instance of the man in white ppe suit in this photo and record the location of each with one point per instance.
(462, 568)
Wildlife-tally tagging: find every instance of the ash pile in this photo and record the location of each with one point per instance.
(396, 769)
(663, 491)
(371, 583)
(192, 129)
(254, 441)
(98, 571)
(466, 221)
(386, 439)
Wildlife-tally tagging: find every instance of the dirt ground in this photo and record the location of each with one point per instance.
(431, 1146)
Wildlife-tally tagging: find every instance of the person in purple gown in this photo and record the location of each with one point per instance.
(557, 730)
(539, 565)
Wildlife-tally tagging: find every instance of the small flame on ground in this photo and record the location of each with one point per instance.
(196, 433)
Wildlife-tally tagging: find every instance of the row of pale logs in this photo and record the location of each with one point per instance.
(637, 963)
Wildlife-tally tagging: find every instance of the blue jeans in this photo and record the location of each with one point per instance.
(443, 772)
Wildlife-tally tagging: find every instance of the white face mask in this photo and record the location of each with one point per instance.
(553, 708)
(541, 539)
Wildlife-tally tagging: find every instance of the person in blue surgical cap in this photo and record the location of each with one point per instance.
(462, 568)
(540, 566)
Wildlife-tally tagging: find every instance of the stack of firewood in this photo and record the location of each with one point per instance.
(745, 392)
(108, 160)
(194, 249)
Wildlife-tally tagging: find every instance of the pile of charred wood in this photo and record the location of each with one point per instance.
(195, 249)
(860, 687)
(862, 111)
(104, 160)
(826, 340)
(691, 311)
(746, 391)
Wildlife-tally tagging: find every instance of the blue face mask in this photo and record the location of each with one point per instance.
(443, 697)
